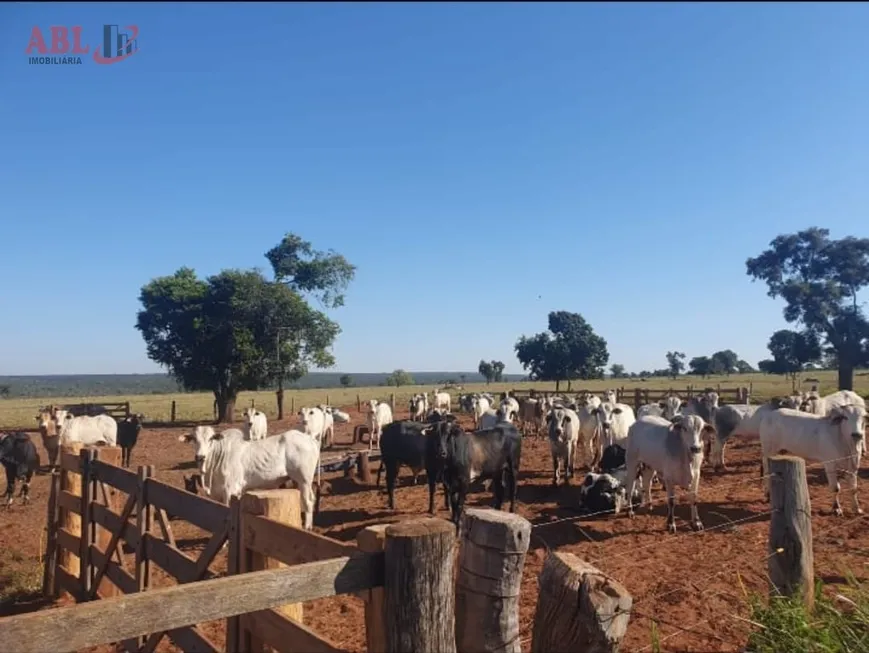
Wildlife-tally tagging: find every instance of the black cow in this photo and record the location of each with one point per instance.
(20, 459)
(128, 435)
(488, 454)
(601, 493)
(410, 443)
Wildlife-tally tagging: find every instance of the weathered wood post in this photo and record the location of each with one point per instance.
(373, 540)
(86, 456)
(70, 521)
(328, 400)
(488, 586)
(172, 412)
(791, 561)
(233, 558)
(579, 608)
(418, 586)
(293, 405)
(638, 398)
(280, 397)
(144, 516)
(363, 468)
(281, 505)
(358, 404)
(51, 525)
(110, 497)
(392, 402)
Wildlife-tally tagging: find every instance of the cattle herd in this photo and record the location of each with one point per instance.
(625, 452)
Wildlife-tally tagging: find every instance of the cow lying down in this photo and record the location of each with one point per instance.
(607, 491)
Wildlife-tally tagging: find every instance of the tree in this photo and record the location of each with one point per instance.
(700, 366)
(221, 333)
(497, 370)
(399, 378)
(346, 380)
(792, 351)
(675, 363)
(617, 371)
(820, 280)
(570, 349)
(486, 371)
(462, 377)
(743, 367)
(767, 366)
(326, 275)
(724, 362)
(4, 391)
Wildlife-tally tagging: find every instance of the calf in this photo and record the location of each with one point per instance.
(531, 412)
(417, 407)
(492, 417)
(128, 435)
(20, 460)
(233, 465)
(510, 407)
(410, 443)
(837, 440)
(338, 416)
(50, 438)
(441, 400)
(674, 450)
(563, 437)
(491, 454)
(601, 493)
(379, 415)
(256, 425)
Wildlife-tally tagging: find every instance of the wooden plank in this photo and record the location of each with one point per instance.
(109, 520)
(285, 635)
(165, 526)
(113, 571)
(68, 541)
(174, 562)
(290, 545)
(118, 477)
(69, 501)
(191, 640)
(233, 559)
(67, 582)
(101, 622)
(70, 462)
(115, 540)
(199, 511)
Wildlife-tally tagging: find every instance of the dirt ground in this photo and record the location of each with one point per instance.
(694, 586)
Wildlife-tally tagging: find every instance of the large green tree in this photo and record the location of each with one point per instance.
(724, 362)
(486, 371)
(791, 352)
(570, 349)
(221, 333)
(675, 363)
(820, 280)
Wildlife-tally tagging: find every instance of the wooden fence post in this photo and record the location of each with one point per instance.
(363, 468)
(88, 526)
(110, 497)
(579, 608)
(143, 525)
(488, 586)
(373, 540)
(233, 641)
(281, 505)
(358, 404)
(292, 405)
(638, 398)
(328, 400)
(392, 402)
(418, 586)
(791, 559)
(69, 521)
(51, 525)
(172, 414)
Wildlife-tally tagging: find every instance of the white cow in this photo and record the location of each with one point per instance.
(563, 437)
(589, 431)
(100, 429)
(379, 415)
(667, 408)
(318, 423)
(610, 396)
(480, 406)
(613, 421)
(672, 449)
(837, 440)
(234, 465)
(338, 416)
(510, 407)
(491, 418)
(255, 424)
(817, 405)
(417, 407)
(442, 400)
(202, 438)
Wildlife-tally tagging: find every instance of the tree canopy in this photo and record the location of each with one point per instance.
(221, 333)
(724, 362)
(399, 378)
(617, 371)
(820, 280)
(570, 349)
(700, 366)
(675, 363)
(491, 370)
(791, 352)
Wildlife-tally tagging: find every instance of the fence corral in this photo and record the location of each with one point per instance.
(403, 571)
(637, 397)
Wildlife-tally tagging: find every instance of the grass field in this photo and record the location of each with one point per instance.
(21, 412)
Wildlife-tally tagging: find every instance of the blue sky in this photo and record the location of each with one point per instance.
(481, 164)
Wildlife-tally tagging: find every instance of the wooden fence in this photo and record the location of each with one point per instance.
(404, 572)
(640, 396)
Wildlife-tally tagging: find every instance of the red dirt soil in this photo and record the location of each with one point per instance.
(694, 585)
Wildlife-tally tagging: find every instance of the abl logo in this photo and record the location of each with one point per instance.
(116, 45)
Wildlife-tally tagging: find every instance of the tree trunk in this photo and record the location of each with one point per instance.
(225, 408)
(846, 376)
(557, 383)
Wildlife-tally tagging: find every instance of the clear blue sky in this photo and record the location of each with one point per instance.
(481, 164)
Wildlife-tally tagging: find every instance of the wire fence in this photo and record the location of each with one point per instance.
(742, 565)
